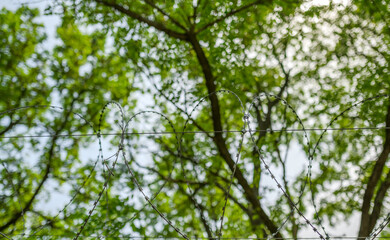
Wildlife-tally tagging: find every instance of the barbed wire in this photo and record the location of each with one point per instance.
(196, 132)
(192, 237)
(124, 126)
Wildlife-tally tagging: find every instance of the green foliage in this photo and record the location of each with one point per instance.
(167, 55)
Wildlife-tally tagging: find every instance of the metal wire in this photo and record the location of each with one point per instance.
(194, 132)
(149, 200)
(195, 237)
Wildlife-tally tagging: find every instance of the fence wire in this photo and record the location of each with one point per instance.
(246, 130)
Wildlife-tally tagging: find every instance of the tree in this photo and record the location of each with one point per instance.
(297, 63)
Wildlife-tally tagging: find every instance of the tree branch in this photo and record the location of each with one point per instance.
(202, 209)
(194, 122)
(378, 202)
(172, 180)
(220, 142)
(19, 214)
(215, 108)
(10, 126)
(373, 181)
(150, 3)
(48, 168)
(227, 15)
(235, 200)
(134, 15)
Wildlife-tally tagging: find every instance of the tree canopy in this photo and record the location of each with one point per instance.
(195, 119)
